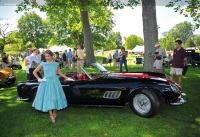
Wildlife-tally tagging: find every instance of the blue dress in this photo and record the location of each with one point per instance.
(50, 94)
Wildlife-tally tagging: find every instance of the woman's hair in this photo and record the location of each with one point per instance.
(49, 52)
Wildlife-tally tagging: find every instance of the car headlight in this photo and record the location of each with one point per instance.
(175, 88)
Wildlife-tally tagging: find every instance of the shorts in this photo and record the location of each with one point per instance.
(158, 64)
(177, 71)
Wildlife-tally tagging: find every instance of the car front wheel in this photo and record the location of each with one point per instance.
(10, 81)
(145, 103)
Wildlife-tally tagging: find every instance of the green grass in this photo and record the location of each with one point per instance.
(19, 119)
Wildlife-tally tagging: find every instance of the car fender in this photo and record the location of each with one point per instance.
(160, 94)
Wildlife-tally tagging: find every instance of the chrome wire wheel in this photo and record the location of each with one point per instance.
(142, 103)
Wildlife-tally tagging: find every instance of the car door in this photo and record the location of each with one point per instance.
(111, 91)
(81, 92)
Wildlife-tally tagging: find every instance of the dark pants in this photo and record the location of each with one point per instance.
(125, 65)
(31, 76)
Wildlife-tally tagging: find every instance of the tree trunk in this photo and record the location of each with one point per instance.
(89, 50)
(150, 31)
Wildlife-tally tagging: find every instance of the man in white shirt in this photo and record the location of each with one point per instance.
(33, 58)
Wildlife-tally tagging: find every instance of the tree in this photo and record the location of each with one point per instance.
(34, 30)
(117, 38)
(167, 43)
(60, 9)
(150, 32)
(4, 33)
(16, 41)
(132, 41)
(189, 43)
(182, 31)
(196, 39)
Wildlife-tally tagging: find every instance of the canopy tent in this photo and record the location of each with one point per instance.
(57, 48)
(137, 49)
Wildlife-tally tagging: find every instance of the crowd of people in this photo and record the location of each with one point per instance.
(69, 60)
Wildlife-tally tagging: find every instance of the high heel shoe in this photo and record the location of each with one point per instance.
(52, 119)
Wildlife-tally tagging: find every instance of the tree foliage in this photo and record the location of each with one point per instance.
(16, 42)
(187, 8)
(183, 31)
(33, 29)
(189, 43)
(132, 41)
(196, 39)
(167, 42)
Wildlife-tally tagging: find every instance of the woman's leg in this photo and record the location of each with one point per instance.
(54, 113)
(120, 65)
(51, 116)
(125, 65)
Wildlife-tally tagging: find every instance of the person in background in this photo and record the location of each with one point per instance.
(26, 54)
(5, 60)
(123, 55)
(50, 96)
(34, 62)
(64, 58)
(38, 56)
(110, 59)
(58, 59)
(168, 60)
(158, 64)
(116, 60)
(74, 60)
(27, 64)
(69, 58)
(43, 59)
(179, 58)
(80, 57)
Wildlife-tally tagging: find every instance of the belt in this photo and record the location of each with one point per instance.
(79, 59)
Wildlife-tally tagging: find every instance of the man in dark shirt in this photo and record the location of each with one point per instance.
(179, 57)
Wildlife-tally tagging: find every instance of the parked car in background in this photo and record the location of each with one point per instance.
(7, 76)
(193, 57)
(144, 91)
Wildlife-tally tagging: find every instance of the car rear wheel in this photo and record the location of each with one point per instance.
(145, 103)
(10, 81)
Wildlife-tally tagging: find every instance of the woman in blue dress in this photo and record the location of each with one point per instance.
(50, 96)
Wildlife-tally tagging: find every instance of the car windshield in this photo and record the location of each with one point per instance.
(101, 71)
(99, 67)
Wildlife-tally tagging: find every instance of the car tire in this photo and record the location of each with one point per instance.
(10, 81)
(145, 103)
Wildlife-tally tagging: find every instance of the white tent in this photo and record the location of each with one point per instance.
(138, 49)
(59, 48)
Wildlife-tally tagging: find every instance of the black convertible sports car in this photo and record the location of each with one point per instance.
(144, 91)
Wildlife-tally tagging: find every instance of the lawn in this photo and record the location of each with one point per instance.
(19, 119)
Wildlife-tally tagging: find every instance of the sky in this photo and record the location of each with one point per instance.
(128, 21)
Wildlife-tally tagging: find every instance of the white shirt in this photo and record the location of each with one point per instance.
(33, 58)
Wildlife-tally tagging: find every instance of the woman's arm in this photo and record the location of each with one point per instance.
(61, 74)
(36, 70)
